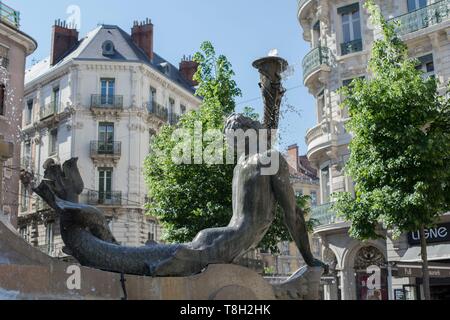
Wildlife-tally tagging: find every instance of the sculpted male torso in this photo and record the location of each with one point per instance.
(255, 196)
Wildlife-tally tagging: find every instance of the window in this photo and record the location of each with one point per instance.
(108, 88)
(108, 48)
(285, 250)
(316, 34)
(29, 112)
(106, 138)
(2, 99)
(313, 196)
(286, 268)
(105, 186)
(26, 161)
(152, 95)
(183, 109)
(321, 112)
(23, 233)
(171, 105)
(351, 29)
(416, 4)
(426, 65)
(25, 199)
(53, 142)
(4, 56)
(299, 193)
(49, 238)
(56, 99)
(326, 186)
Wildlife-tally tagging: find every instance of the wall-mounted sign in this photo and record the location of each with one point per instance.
(434, 235)
(416, 272)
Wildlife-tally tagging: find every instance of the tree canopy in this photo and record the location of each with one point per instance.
(400, 152)
(188, 198)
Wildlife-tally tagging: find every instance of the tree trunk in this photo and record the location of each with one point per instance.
(425, 269)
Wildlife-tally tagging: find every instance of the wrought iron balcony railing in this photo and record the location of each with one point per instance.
(324, 215)
(49, 110)
(103, 148)
(315, 59)
(102, 101)
(351, 47)
(422, 18)
(9, 15)
(157, 110)
(105, 198)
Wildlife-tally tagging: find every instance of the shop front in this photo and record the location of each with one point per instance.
(407, 270)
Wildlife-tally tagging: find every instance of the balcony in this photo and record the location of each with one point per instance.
(318, 59)
(113, 198)
(157, 110)
(99, 101)
(422, 18)
(324, 215)
(320, 139)
(103, 151)
(351, 47)
(302, 5)
(9, 15)
(49, 110)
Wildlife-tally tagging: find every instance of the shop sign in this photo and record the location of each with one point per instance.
(434, 235)
(414, 272)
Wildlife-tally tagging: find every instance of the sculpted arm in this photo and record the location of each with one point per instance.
(293, 216)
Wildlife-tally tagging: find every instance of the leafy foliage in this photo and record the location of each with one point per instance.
(400, 153)
(190, 198)
(251, 113)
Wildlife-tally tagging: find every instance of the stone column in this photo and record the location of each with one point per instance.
(6, 152)
(348, 284)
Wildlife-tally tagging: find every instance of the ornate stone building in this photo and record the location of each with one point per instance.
(15, 46)
(341, 37)
(101, 99)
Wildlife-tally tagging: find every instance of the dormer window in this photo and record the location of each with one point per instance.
(108, 48)
(165, 68)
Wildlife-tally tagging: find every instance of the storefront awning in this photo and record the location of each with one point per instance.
(435, 253)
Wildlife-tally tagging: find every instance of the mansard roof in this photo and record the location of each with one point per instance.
(125, 50)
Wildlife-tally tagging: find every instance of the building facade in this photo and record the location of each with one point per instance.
(341, 35)
(15, 46)
(100, 99)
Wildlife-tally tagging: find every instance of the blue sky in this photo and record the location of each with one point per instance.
(242, 30)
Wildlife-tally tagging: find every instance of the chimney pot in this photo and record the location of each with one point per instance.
(64, 39)
(142, 36)
(188, 68)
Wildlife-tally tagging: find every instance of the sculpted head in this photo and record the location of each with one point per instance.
(242, 134)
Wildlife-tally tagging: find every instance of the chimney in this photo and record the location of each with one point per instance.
(142, 36)
(292, 158)
(188, 68)
(64, 39)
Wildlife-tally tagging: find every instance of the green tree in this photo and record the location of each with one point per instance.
(190, 198)
(251, 113)
(401, 147)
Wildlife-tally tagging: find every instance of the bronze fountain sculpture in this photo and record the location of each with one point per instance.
(89, 240)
